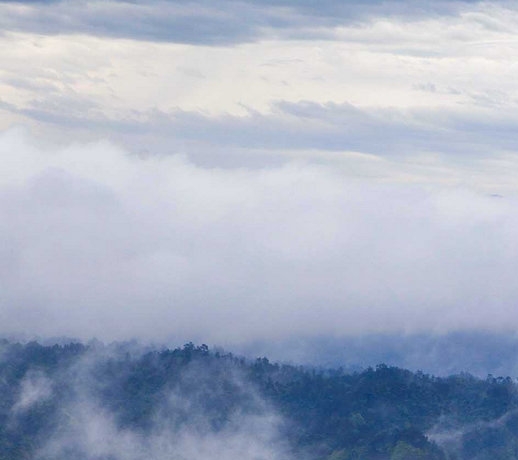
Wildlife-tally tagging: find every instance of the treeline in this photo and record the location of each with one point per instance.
(383, 413)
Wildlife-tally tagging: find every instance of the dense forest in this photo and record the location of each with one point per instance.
(123, 402)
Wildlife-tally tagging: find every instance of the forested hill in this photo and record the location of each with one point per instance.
(119, 403)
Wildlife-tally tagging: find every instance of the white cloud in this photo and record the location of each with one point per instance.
(96, 242)
(389, 135)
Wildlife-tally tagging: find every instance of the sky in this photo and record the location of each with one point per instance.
(231, 171)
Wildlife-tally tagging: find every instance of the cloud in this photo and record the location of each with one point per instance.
(446, 86)
(221, 22)
(97, 242)
(299, 127)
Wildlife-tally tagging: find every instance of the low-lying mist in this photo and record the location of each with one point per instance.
(86, 403)
(126, 402)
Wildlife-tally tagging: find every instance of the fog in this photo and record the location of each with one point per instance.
(77, 420)
(97, 242)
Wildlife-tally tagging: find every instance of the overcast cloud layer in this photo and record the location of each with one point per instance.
(206, 78)
(229, 171)
(212, 22)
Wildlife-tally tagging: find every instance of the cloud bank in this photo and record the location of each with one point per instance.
(100, 242)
